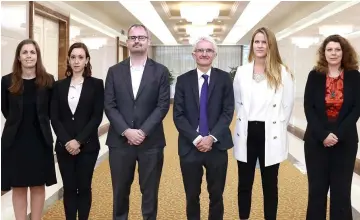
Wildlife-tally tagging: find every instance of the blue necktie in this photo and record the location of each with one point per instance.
(203, 121)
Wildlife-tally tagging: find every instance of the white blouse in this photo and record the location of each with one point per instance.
(258, 104)
(74, 95)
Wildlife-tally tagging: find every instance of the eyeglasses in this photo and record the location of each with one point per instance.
(204, 50)
(140, 38)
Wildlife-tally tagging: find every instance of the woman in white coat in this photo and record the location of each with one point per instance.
(264, 99)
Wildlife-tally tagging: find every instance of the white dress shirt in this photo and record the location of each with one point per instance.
(201, 81)
(136, 75)
(74, 95)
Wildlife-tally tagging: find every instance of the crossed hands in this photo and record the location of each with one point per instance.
(331, 140)
(73, 147)
(134, 136)
(205, 144)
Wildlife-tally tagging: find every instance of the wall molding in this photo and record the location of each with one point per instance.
(299, 133)
(36, 8)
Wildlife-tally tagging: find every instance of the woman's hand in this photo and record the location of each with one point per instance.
(73, 147)
(331, 140)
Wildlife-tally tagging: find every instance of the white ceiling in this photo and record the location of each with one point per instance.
(350, 16)
(286, 17)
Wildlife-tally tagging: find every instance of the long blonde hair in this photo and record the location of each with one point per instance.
(273, 62)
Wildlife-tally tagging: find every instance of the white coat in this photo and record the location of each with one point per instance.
(279, 109)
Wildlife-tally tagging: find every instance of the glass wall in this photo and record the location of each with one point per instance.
(13, 31)
(179, 60)
(299, 51)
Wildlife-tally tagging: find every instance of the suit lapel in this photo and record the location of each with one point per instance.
(146, 77)
(127, 77)
(322, 93)
(213, 79)
(65, 87)
(246, 83)
(347, 93)
(39, 98)
(195, 86)
(19, 98)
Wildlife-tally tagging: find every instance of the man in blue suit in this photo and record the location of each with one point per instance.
(203, 111)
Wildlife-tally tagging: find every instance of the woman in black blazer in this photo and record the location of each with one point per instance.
(332, 108)
(76, 113)
(27, 158)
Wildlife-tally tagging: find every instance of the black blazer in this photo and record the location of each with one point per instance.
(318, 127)
(12, 109)
(84, 123)
(220, 109)
(146, 111)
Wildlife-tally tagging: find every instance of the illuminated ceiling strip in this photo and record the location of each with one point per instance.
(86, 20)
(254, 12)
(147, 15)
(316, 17)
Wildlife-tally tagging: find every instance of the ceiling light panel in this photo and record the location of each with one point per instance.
(254, 12)
(316, 17)
(144, 11)
(327, 30)
(199, 14)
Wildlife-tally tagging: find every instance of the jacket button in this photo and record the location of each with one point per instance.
(72, 118)
(274, 122)
(237, 134)
(274, 105)
(241, 103)
(239, 119)
(275, 137)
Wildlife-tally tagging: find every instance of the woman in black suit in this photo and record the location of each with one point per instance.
(27, 158)
(76, 113)
(332, 108)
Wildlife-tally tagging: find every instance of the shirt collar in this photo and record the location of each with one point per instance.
(142, 65)
(77, 84)
(201, 73)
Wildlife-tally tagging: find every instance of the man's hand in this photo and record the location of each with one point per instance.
(205, 144)
(73, 147)
(134, 136)
(331, 140)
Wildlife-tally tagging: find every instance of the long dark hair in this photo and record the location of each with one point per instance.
(87, 69)
(43, 79)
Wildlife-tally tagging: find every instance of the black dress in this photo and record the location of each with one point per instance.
(26, 163)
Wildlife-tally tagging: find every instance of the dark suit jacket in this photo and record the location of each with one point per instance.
(12, 109)
(318, 127)
(83, 124)
(146, 111)
(220, 109)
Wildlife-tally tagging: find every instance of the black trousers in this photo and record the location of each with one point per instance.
(332, 168)
(122, 167)
(77, 172)
(246, 173)
(215, 163)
